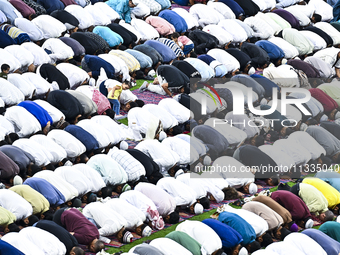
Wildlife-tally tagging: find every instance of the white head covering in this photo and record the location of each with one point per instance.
(146, 231)
(162, 136)
(123, 145)
(243, 251)
(17, 180)
(284, 61)
(252, 188)
(135, 2)
(179, 172)
(198, 208)
(264, 101)
(309, 223)
(127, 238)
(324, 118)
(92, 82)
(207, 161)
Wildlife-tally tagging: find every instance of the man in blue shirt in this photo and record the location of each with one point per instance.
(8, 249)
(84, 137)
(275, 53)
(167, 54)
(92, 65)
(112, 38)
(51, 5)
(123, 8)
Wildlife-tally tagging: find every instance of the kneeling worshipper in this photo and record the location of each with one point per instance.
(186, 241)
(145, 249)
(8, 249)
(331, 194)
(231, 239)
(314, 199)
(146, 205)
(22, 243)
(108, 221)
(182, 148)
(165, 203)
(8, 168)
(330, 177)
(164, 157)
(75, 75)
(210, 242)
(83, 230)
(298, 209)
(111, 172)
(304, 243)
(168, 246)
(176, 109)
(281, 248)
(51, 193)
(331, 127)
(331, 228)
(331, 246)
(62, 234)
(327, 102)
(7, 219)
(134, 217)
(177, 189)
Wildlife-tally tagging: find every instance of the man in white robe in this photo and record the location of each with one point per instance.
(15, 204)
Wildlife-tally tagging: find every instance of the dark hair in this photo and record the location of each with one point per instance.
(13, 227)
(2, 110)
(11, 138)
(4, 67)
(76, 202)
(205, 202)
(254, 246)
(50, 167)
(91, 198)
(193, 54)
(329, 216)
(289, 131)
(267, 240)
(106, 192)
(174, 217)
(35, 169)
(111, 113)
(133, 105)
(175, 35)
(259, 140)
(140, 103)
(78, 251)
(32, 219)
(275, 180)
(317, 17)
(176, 130)
(98, 246)
(273, 135)
(83, 158)
(230, 193)
(326, 160)
(48, 215)
(284, 232)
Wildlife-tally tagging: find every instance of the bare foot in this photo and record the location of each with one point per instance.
(47, 128)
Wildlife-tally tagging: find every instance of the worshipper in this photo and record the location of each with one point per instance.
(330, 177)
(112, 38)
(173, 46)
(309, 245)
(248, 81)
(93, 64)
(259, 57)
(38, 8)
(308, 69)
(168, 78)
(40, 56)
(76, 77)
(146, 31)
(203, 41)
(30, 28)
(332, 90)
(67, 104)
(274, 52)
(25, 10)
(10, 11)
(129, 38)
(167, 246)
(108, 221)
(181, 147)
(144, 249)
(146, 205)
(165, 203)
(51, 193)
(186, 241)
(205, 71)
(8, 249)
(144, 60)
(15, 204)
(331, 228)
(176, 20)
(6, 40)
(156, 58)
(78, 49)
(162, 26)
(298, 209)
(220, 69)
(121, 68)
(83, 230)
(222, 35)
(58, 50)
(24, 56)
(7, 219)
(8, 167)
(152, 169)
(22, 243)
(89, 43)
(330, 56)
(321, 238)
(67, 18)
(46, 22)
(327, 102)
(200, 11)
(62, 234)
(165, 51)
(123, 8)
(210, 242)
(331, 127)
(134, 217)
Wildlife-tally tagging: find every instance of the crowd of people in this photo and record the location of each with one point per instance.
(69, 177)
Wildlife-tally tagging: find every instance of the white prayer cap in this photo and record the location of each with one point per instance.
(198, 209)
(162, 136)
(309, 223)
(135, 2)
(146, 231)
(243, 251)
(123, 145)
(68, 163)
(264, 101)
(324, 118)
(207, 161)
(17, 180)
(338, 219)
(152, 72)
(283, 61)
(337, 115)
(126, 187)
(179, 172)
(92, 82)
(127, 237)
(252, 188)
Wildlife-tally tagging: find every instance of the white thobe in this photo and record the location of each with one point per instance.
(15, 203)
(56, 152)
(238, 121)
(54, 112)
(6, 127)
(189, 19)
(160, 154)
(181, 113)
(63, 186)
(133, 168)
(330, 30)
(97, 183)
(197, 144)
(283, 75)
(260, 27)
(305, 244)
(127, 96)
(203, 234)
(85, 19)
(25, 86)
(233, 28)
(116, 130)
(304, 20)
(183, 194)
(275, 27)
(30, 28)
(318, 42)
(222, 35)
(75, 75)
(46, 241)
(51, 27)
(169, 247)
(40, 56)
(111, 172)
(146, 31)
(22, 244)
(222, 8)
(289, 50)
(103, 137)
(182, 148)
(74, 177)
(329, 55)
(109, 221)
(131, 29)
(200, 98)
(229, 61)
(168, 121)
(24, 56)
(283, 248)
(205, 14)
(322, 8)
(308, 142)
(282, 159)
(41, 85)
(9, 59)
(24, 122)
(72, 145)
(59, 49)
(97, 16)
(133, 216)
(194, 183)
(108, 12)
(40, 155)
(300, 155)
(118, 64)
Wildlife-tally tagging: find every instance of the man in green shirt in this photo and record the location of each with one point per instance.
(186, 241)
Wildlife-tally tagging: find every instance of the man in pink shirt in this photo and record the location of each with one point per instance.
(162, 26)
